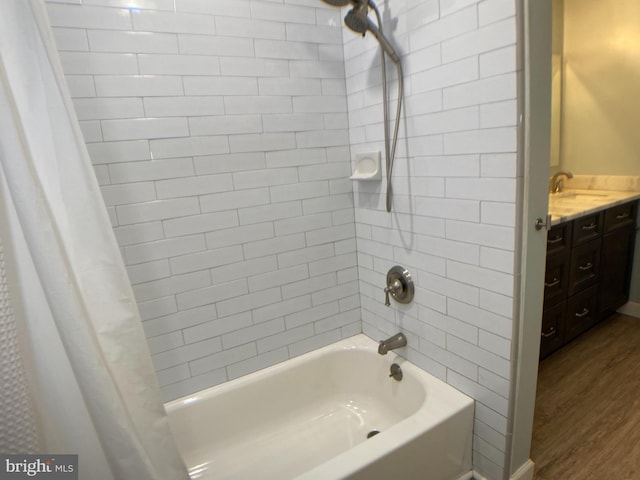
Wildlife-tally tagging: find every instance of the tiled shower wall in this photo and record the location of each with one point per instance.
(218, 130)
(454, 203)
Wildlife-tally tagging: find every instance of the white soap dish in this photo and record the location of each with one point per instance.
(367, 167)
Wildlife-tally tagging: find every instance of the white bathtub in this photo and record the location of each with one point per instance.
(308, 419)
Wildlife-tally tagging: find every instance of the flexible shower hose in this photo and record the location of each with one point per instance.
(390, 149)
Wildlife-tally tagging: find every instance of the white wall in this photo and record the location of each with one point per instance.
(219, 135)
(454, 206)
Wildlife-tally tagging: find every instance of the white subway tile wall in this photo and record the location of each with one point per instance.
(222, 133)
(454, 207)
(219, 134)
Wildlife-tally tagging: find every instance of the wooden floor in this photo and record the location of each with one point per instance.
(587, 418)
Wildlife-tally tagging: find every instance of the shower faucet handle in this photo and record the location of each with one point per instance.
(392, 289)
(399, 285)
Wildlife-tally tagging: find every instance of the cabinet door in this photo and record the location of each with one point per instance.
(559, 239)
(556, 279)
(582, 313)
(615, 271)
(585, 266)
(553, 326)
(587, 228)
(620, 216)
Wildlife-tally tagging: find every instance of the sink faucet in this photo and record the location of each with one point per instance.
(555, 185)
(397, 341)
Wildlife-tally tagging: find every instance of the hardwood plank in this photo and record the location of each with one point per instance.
(579, 450)
(585, 381)
(587, 403)
(623, 462)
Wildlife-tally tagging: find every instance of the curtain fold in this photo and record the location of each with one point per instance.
(51, 184)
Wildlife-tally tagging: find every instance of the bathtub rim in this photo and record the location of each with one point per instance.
(402, 433)
(358, 341)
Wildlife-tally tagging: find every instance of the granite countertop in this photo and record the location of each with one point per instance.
(575, 203)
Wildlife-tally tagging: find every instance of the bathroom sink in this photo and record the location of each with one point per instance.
(578, 195)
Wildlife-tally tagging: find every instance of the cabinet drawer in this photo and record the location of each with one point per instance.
(619, 216)
(584, 266)
(582, 312)
(587, 228)
(559, 239)
(556, 279)
(553, 326)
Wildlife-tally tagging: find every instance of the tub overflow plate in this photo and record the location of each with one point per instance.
(396, 372)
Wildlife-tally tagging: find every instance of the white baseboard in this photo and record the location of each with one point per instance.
(630, 308)
(467, 476)
(525, 472)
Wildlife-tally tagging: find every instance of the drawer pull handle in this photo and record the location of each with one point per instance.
(553, 283)
(591, 226)
(583, 313)
(620, 216)
(586, 267)
(553, 241)
(550, 333)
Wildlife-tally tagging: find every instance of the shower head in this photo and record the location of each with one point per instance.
(357, 19)
(337, 3)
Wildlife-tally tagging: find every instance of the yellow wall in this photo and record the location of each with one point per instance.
(601, 101)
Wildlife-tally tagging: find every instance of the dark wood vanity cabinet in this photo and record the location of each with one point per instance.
(556, 288)
(617, 252)
(553, 325)
(582, 313)
(588, 270)
(584, 266)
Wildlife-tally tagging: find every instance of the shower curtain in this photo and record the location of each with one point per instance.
(88, 365)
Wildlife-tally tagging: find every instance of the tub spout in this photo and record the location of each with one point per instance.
(397, 341)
